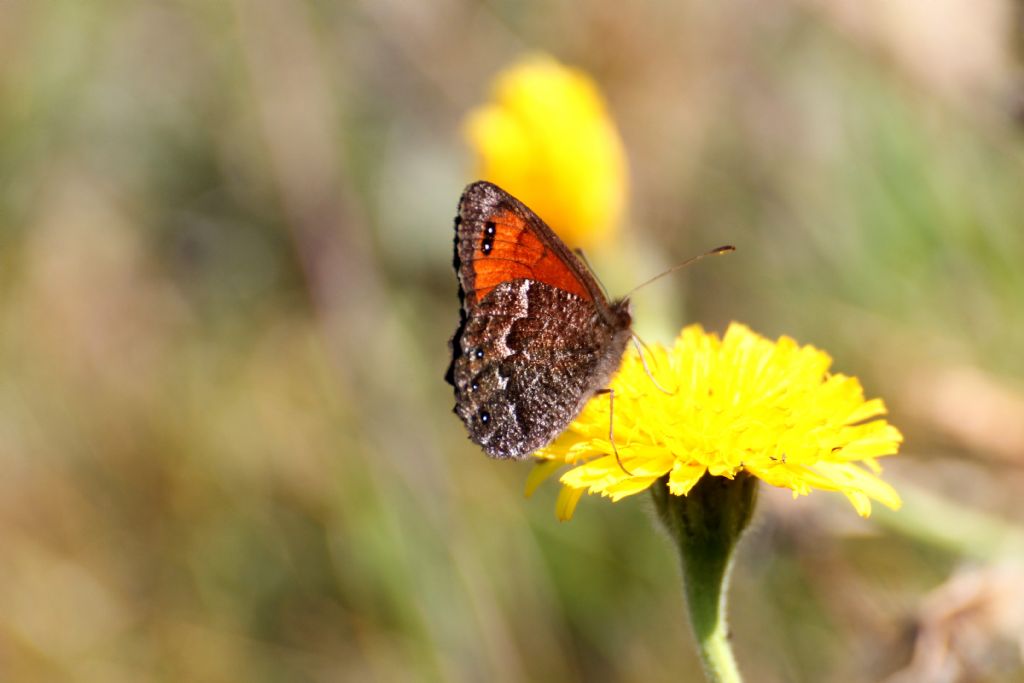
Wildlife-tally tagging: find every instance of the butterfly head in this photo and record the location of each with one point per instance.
(623, 314)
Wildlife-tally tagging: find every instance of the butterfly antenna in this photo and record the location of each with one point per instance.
(583, 257)
(726, 249)
(643, 361)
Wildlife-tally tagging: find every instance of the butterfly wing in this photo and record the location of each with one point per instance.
(498, 239)
(527, 359)
(536, 337)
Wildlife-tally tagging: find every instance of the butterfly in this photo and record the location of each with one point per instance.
(537, 337)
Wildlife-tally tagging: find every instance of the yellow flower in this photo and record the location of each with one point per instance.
(740, 403)
(547, 138)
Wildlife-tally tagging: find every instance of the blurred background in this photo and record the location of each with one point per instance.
(226, 448)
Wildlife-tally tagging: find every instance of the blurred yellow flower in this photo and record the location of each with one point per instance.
(547, 138)
(738, 403)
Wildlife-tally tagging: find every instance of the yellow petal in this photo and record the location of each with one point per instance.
(542, 470)
(741, 402)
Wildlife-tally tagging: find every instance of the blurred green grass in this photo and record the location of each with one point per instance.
(225, 297)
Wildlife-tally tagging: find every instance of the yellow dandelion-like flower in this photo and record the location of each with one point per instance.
(547, 138)
(740, 403)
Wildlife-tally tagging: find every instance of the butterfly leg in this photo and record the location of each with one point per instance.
(643, 362)
(611, 427)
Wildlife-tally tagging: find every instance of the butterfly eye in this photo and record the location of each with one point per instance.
(479, 354)
(485, 417)
(475, 385)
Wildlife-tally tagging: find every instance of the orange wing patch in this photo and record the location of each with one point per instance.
(508, 250)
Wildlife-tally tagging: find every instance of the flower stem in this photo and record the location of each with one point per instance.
(706, 525)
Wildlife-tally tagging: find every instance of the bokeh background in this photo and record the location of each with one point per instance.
(226, 448)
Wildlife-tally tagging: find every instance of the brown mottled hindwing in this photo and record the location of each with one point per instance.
(529, 357)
